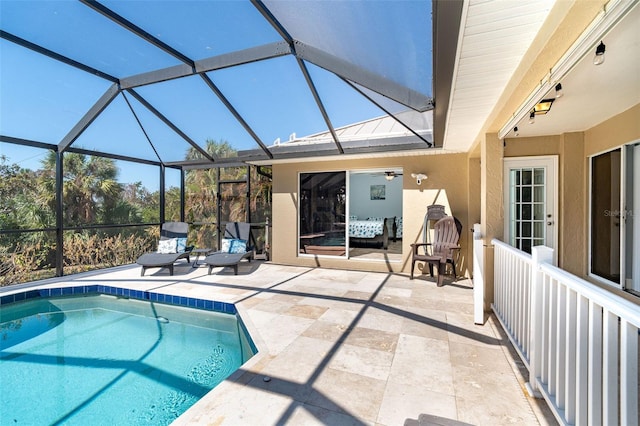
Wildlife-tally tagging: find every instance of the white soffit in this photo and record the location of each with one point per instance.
(495, 36)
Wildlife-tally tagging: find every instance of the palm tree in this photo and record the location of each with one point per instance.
(90, 190)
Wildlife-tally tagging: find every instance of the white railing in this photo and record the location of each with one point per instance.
(512, 290)
(582, 353)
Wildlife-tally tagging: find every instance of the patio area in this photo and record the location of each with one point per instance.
(348, 347)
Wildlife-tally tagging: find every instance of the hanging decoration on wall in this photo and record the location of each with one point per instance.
(378, 192)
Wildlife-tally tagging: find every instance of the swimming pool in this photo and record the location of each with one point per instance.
(97, 358)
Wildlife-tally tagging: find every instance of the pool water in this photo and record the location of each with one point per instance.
(105, 360)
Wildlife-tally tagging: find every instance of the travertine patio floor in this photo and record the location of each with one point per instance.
(350, 348)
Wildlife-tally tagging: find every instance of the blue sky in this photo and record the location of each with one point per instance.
(42, 99)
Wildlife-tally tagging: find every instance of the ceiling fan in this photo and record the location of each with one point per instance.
(391, 174)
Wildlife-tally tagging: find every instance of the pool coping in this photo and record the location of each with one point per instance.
(151, 296)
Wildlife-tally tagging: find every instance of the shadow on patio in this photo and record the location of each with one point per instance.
(350, 347)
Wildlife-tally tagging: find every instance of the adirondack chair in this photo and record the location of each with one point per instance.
(442, 250)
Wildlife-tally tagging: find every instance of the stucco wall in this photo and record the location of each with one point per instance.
(473, 197)
(447, 184)
(612, 133)
(573, 204)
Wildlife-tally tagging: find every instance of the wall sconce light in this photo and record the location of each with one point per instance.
(418, 177)
(532, 117)
(559, 91)
(598, 59)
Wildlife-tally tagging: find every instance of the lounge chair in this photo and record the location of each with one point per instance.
(445, 242)
(233, 231)
(169, 231)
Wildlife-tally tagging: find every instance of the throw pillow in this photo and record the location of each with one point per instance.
(225, 245)
(238, 246)
(181, 245)
(167, 246)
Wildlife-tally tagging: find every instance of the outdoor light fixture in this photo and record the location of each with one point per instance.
(542, 107)
(418, 177)
(515, 131)
(532, 117)
(599, 58)
(559, 92)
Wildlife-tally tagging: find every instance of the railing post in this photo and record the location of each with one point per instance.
(478, 276)
(539, 255)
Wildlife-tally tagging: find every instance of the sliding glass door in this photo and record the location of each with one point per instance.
(605, 216)
(322, 210)
(614, 227)
(372, 199)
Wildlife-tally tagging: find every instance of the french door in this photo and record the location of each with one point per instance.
(530, 202)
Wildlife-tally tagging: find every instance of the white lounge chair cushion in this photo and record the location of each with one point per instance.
(168, 246)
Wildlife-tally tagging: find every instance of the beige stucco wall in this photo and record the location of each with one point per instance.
(573, 204)
(473, 197)
(447, 184)
(612, 133)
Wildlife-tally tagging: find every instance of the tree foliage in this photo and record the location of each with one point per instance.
(92, 195)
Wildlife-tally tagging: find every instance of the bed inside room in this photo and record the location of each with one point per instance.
(375, 214)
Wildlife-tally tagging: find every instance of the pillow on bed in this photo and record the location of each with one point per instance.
(167, 246)
(181, 245)
(375, 219)
(353, 217)
(238, 246)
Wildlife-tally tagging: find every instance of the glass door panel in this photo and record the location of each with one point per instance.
(605, 215)
(630, 216)
(322, 212)
(527, 187)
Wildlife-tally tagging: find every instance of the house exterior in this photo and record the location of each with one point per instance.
(468, 176)
(531, 131)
